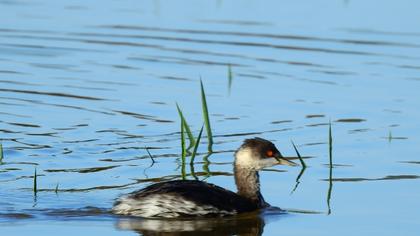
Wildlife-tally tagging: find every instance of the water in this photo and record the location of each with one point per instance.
(86, 86)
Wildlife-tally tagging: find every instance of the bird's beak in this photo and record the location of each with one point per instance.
(284, 161)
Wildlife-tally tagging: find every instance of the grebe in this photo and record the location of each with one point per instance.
(193, 198)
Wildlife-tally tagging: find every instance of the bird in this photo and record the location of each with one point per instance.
(195, 198)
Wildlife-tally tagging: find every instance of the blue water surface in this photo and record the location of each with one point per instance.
(87, 86)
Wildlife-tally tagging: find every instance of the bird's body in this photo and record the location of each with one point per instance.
(183, 198)
(193, 198)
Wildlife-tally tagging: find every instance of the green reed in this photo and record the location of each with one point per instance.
(195, 142)
(302, 162)
(150, 155)
(35, 188)
(330, 142)
(187, 128)
(194, 153)
(56, 188)
(193, 174)
(206, 118)
(183, 150)
(390, 136)
(330, 182)
(1, 153)
(230, 77)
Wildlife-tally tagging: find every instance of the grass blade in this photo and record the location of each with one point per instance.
(389, 136)
(230, 78)
(35, 183)
(193, 172)
(187, 128)
(56, 188)
(330, 143)
(196, 146)
(330, 183)
(300, 157)
(183, 172)
(1, 154)
(183, 151)
(301, 171)
(206, 118)
(150, 155)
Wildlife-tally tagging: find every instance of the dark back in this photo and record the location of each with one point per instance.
(201, 193)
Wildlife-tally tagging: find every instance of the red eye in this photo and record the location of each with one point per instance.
(270, 153)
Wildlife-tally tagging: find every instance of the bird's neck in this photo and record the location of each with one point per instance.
(248, 184)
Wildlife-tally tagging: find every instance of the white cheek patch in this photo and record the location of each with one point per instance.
(164, 205)
(245, 157)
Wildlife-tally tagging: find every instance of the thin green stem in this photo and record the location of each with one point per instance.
(301, 171)
(299, 156)
(35, 188)
(330, 182)
(206, 118)
(183, 151)
(187, 127)
(1, 154)
(150, 155)
(193, 171)
(230, 78)
(194, 153)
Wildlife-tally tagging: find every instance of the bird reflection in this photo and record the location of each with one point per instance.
(244, 224)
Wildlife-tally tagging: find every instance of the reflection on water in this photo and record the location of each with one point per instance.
(246, 224)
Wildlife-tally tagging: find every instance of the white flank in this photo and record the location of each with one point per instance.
(166, 206)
